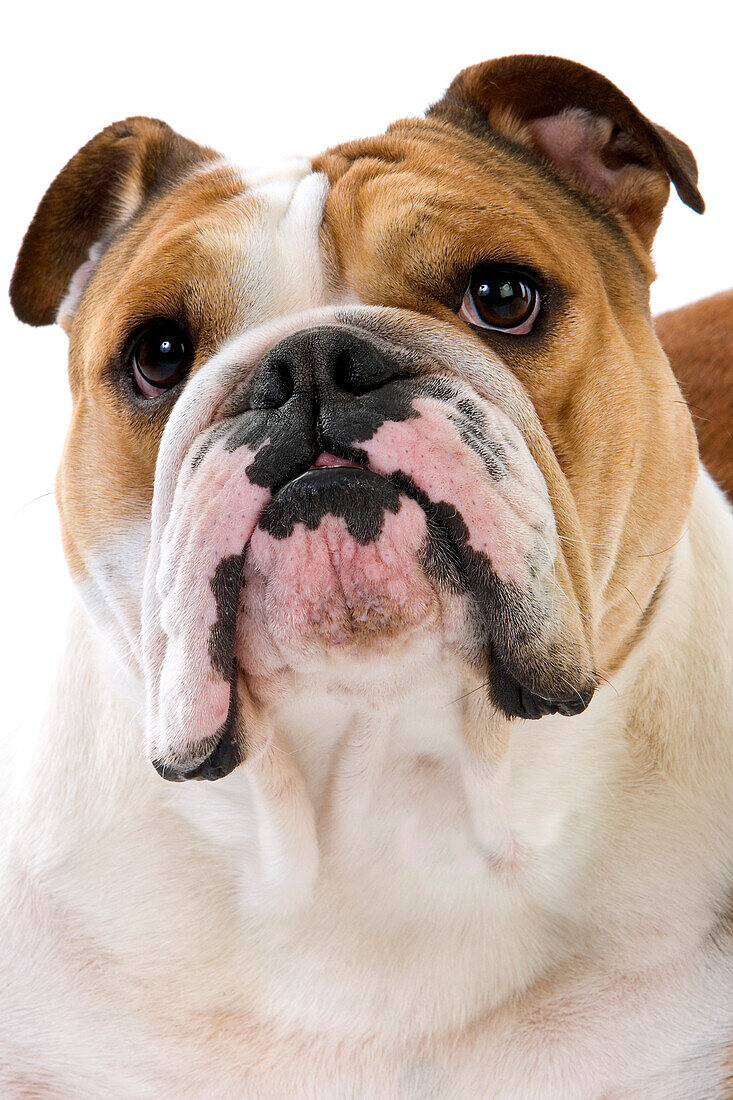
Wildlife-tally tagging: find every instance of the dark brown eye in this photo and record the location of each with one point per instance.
(500, 298)
(161, 356)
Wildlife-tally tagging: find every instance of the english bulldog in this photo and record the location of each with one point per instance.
(388, 525)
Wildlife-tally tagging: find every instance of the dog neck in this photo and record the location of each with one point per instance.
(407, 830)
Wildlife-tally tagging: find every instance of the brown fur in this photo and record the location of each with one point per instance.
(699, 342)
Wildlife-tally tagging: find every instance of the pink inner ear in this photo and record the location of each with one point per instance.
(575, 141)
(79, 282)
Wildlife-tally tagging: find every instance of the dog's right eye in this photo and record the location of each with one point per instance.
(160, 357)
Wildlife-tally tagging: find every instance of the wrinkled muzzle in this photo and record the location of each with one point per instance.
(332, 484)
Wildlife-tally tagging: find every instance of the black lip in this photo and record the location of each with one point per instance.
(222, 760)
(319, 478)
(358, 496)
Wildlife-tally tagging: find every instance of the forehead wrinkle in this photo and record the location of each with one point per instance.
(438, 230)
(460, 164)
(503, 151)
(279, 186)
(405, 196)
(259, 248)
(288, 243)
(449, 158)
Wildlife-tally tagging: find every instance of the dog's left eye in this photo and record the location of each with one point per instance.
(501, 299)
(160, 357)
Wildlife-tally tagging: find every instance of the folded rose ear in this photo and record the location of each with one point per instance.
(97, 194)
(584, 127)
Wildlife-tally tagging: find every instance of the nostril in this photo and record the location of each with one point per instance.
(357, 369)
(319, 359)
(344, 374)
(273, 386)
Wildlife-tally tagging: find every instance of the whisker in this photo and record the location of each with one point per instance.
(28, 503)
(600, 676)
(460, 698)
(709, 418)
(667, 549)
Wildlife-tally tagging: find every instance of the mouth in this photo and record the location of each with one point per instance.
(330, 461)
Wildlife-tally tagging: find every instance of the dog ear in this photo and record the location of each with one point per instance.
(580, 123)
(95, 196)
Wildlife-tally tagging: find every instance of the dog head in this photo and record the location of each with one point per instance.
(404, 399)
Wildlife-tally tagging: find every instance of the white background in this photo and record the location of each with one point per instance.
(262, 80)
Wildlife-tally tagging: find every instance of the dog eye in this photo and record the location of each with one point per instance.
(160, 357)
(502, 299)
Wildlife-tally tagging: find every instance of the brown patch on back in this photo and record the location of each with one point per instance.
(699, 342)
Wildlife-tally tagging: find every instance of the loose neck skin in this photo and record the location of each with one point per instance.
(403, 833)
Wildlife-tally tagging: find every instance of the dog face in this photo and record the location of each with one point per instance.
(405, 399)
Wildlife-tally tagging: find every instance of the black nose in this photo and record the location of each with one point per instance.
(322, 360)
